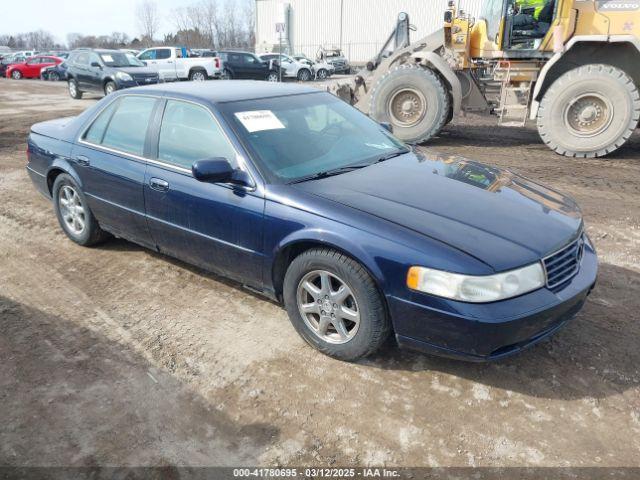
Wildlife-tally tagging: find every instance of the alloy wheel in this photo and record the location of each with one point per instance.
(72, 210)
(198, 77)
(328, 306)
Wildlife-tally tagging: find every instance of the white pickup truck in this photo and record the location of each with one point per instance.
(173, 63)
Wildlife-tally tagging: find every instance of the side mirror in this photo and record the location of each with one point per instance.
(387, 126)
(96, 64)
(218, 170)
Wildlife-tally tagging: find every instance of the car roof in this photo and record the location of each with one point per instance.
(223, 91)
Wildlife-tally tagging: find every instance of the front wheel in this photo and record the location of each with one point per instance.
(74, 91)
(334, 304)
(53, 77)
(75, 217)
(16, 74)
(109, 88)
(589, 111)
(304, 75)
(322, 74)
(414, 100)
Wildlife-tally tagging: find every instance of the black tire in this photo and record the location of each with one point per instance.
(416, 83)
(589, 111)
(197, 75)
(74, 90)
(374, 326)
(91, 234)
(273, 76)
(304, 75)
(110, 87)
(53, 77)
(227, 74)
(322, 74)
(16, 74)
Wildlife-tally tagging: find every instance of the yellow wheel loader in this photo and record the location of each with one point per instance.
(573, 66)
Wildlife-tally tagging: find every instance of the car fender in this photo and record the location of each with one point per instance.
(331, 239)
(65, 165)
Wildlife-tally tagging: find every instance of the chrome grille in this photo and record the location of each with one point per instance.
(562, 265)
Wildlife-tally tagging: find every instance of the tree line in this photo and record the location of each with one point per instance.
(202, 24)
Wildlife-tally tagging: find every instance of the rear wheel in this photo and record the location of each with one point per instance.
(227, 74)
(322, 74)
(334, 304)
(74, 91)
(109, 88)
(589, 111)
(53, 76)
(273, 77)
(198, 76)
(16, 74)
(414, 100)
(73, 212)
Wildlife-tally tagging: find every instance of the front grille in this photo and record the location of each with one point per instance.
(562, 265)
(145, 79)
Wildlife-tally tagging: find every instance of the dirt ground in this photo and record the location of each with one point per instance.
(119, 356)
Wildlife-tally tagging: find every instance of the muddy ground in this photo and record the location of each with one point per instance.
(119, 356)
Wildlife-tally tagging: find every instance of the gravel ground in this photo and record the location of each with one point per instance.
(119, 356)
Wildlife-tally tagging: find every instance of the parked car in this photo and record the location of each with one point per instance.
(322, 70)
(31, 68)
(9, 60)
(246, 65)
(334, 56)
(290, 67)
(174, 63)
(296, 194)
(55, 73)
(105, 71)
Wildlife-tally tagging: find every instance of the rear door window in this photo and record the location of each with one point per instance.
(189, 133)
(126, 130)
(163, 54)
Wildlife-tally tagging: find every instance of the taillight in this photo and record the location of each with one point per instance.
(217, 63)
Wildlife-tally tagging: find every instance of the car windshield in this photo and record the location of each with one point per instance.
(120, 59)
(301, 137)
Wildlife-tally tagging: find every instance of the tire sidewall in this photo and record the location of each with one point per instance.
(106, 88)
(90, 223)
(360, 344)
(604, 80)
(77, 94)
(322, 74)
(16, 75)
(431, 87)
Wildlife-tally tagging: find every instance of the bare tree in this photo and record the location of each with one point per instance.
(148, 19)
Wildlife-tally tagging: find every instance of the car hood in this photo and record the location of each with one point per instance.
(494, 215)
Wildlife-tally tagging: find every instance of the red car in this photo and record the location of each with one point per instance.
(32, 67)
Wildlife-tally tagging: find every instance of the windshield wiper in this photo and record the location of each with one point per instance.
(349, 168)
(330, 173)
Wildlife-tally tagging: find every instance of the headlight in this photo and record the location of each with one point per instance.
(125, 77)
(477, 289)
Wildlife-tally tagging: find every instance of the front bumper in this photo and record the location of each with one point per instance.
(136, 83)
(485, 332)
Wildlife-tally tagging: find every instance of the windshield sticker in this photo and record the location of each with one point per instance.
(259, 120)
(107, 58)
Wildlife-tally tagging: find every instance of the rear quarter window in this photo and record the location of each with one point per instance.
(125, 127)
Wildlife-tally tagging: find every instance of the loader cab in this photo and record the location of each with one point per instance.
(513, 28)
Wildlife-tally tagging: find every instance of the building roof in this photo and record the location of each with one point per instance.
(222, 91)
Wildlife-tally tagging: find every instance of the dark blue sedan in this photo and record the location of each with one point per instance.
(294, 193)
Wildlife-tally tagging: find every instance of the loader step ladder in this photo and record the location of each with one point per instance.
(515, 94)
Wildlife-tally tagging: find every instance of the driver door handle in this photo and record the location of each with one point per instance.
(82, 160)
(159, 184)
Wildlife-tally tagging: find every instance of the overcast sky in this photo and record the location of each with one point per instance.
(89, 17)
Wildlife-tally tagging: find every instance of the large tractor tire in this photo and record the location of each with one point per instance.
(589, 111)
(414, 100)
